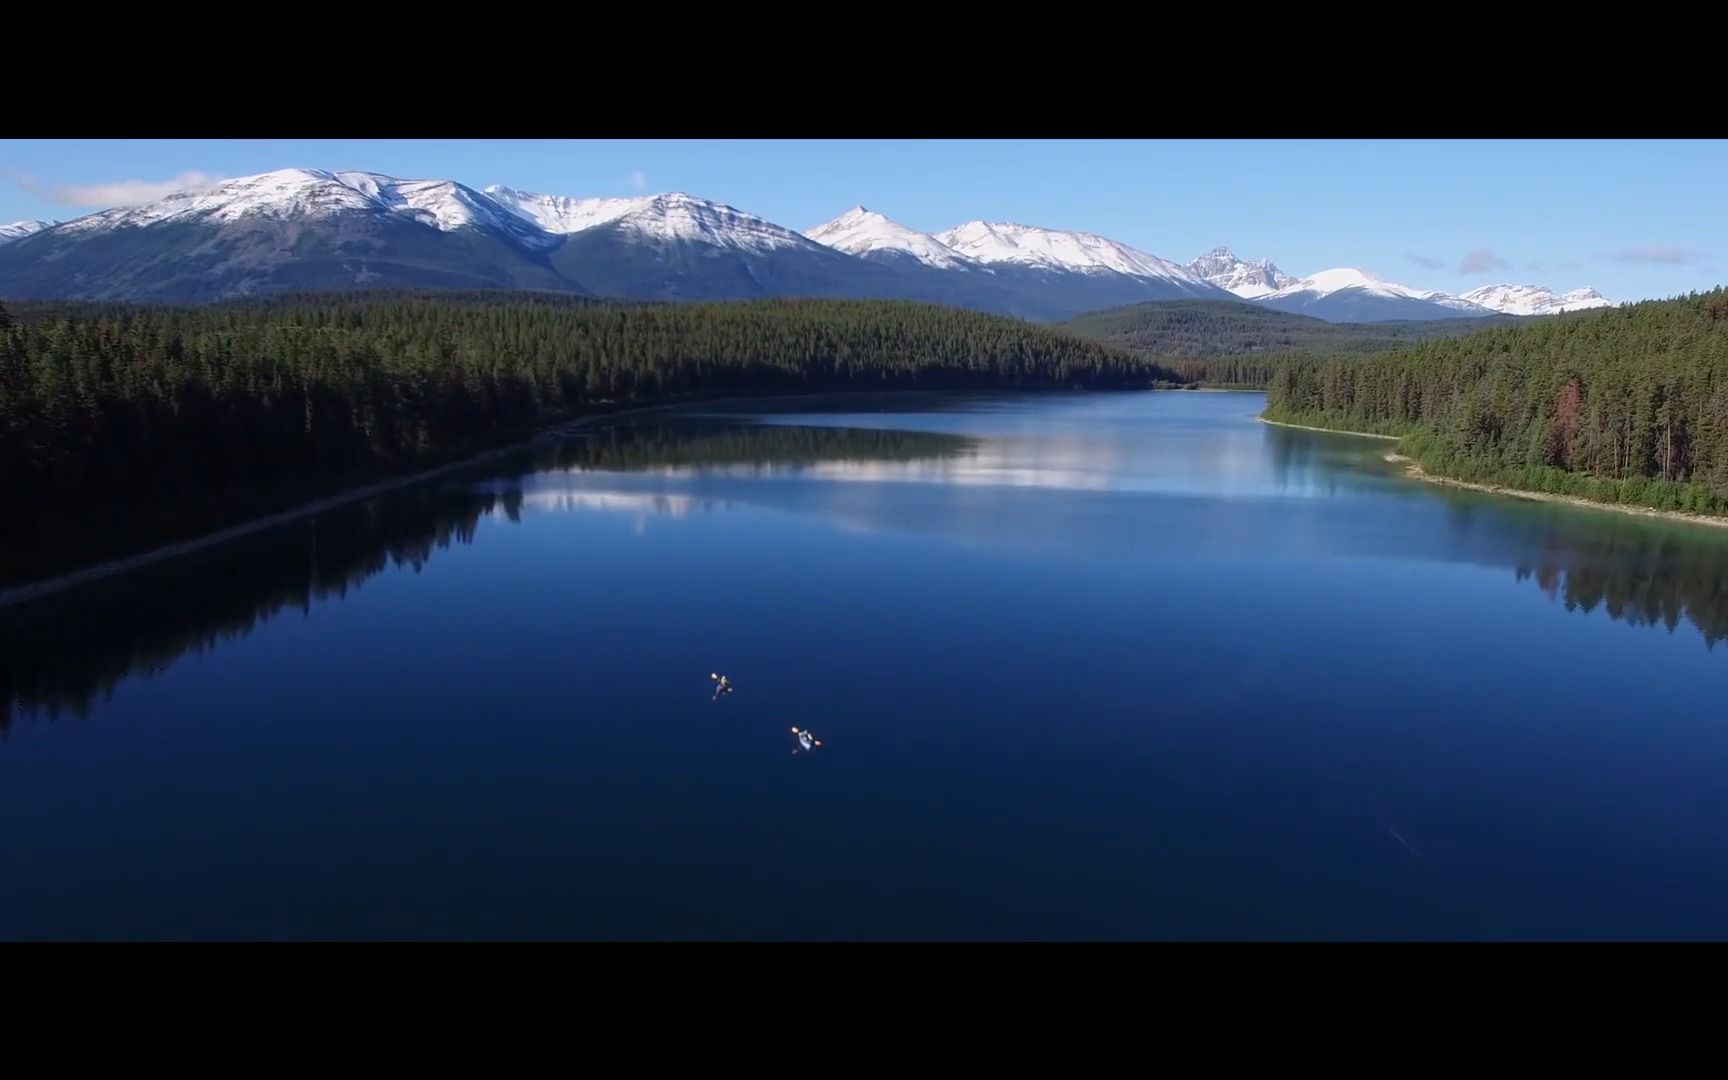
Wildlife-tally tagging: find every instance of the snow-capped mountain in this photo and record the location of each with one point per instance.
(675, 217)
(289, 229)
(310, 194)
(558, 214)
(1002, 242)
(18, 230)
(1249, 280)
(870, 235)
(1535, 299)
(1349, 295)
(308, 229)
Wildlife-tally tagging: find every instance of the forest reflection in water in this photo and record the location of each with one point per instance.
(68, 653)
(1640, 571)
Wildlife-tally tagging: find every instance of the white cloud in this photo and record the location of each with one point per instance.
(1482, 261)
(1665, 254)
(120, 192)
(638, 181)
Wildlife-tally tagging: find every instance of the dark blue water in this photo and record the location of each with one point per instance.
(1103, 666)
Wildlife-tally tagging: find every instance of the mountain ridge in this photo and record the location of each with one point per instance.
(296, 229)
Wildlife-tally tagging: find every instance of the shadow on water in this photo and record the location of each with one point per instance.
(1638, 571)
(67, 653)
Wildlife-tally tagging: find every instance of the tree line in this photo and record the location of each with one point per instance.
(1620, 405)
(123, 426)
(1235, 343)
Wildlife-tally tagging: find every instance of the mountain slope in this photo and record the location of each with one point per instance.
(308, 229)
(870, 235)
(1349, 295)
(1535, 299)
(293, 229)
(1032, 247)
(18, 230)
(1249, 280)
(678, 247)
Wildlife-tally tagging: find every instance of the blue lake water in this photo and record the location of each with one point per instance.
(1093, 666)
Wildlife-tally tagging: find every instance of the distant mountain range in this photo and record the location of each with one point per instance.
(304, 229)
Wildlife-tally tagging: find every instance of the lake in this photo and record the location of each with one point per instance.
(1087, 666)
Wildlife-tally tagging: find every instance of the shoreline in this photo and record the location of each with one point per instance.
(11, 596)
(1414, 471)
(1328, 431)
(35, 590)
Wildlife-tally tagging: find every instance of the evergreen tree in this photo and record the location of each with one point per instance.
(123, 426)
(1626, 404)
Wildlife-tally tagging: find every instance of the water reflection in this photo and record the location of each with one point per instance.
(67, 653)
(1641, 572)
(670, 446)
(1641, 580)
(1127, 492)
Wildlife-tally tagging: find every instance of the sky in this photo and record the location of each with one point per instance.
(1633, 219)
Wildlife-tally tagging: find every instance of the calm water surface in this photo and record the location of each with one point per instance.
(1093, 666)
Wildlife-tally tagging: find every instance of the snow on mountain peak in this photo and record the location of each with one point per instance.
(1248, 280)
(18, 230)
(1535, 299)
(313, 193)
(860, 232)
(559, 214)
(1361, 285)
(673, 216)
(680, 217)
(1030, 245)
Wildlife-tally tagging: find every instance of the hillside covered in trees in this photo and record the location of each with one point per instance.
(1237, 343)
(1622, 405)
(126, 426)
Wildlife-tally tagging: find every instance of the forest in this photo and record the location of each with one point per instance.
(126, 426)
(1620, 405)
(1228, 343)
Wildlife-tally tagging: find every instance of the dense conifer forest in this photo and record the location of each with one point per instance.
(1228, 343)
(125, 426)
(1622, 405)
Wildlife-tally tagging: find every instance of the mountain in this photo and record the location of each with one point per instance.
(18, 230)
(1348, 295)
(1018, 269)
(870, 235)
(1249, 280)
(1057, 274)
(1535, 299)
(294, 229)
(1031, 247)
(679, 247)
(307, 229)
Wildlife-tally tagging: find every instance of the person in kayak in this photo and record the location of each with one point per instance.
(722, 685)
(806, 740)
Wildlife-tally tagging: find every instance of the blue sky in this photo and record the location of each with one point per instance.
(1634, 219)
